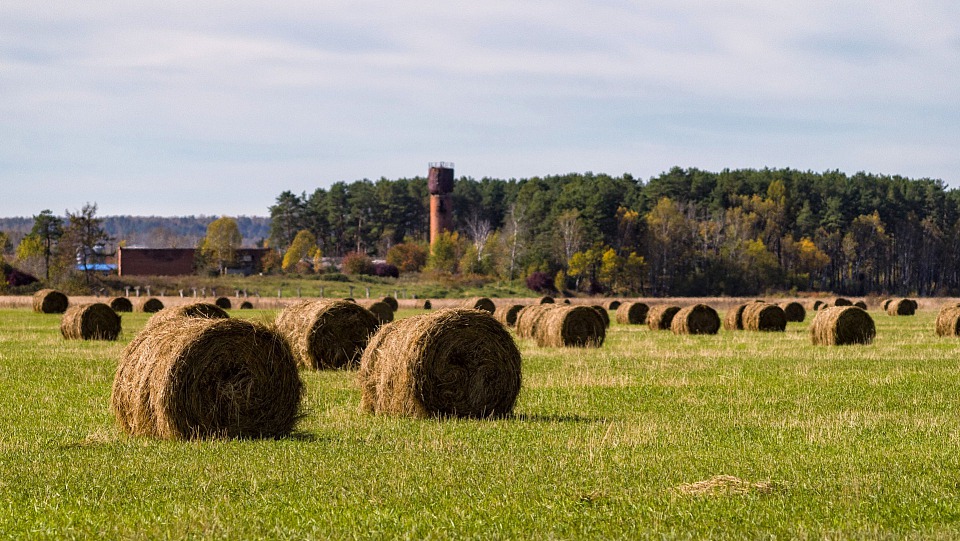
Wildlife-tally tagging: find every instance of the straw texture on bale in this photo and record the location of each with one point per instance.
(479, 303)
(50, 301)
(948, 320)
(613, 305)
(764, 317)
(861, 304)
(576, 326)
(246, 305)
(197, 310)
(528, 318)
(95, 321)
(902, 307)
(603, 314)
(696, 319)
(840, 301)
(151, 305)
(733, 318)
(546, 299)
(223, 302)
(327, 333)
(391, 302)
(381, 310)
(660, 316)
(842, 325)
(195, 378)
(507, 313)
(632, 313)
(794, 311)
(454, 362)
(121, 304)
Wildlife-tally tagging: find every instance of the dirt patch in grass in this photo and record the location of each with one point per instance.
(722, 485)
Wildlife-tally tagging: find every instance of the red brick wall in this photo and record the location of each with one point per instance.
(155, 261)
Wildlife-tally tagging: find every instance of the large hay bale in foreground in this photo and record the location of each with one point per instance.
(391, 302)
(528, 318)
(632, 313)
(948, 320)
(196, 310)
(121, 304)
(696, 319)
(902, 307)
(192, 378)
(50, 301)
(151, 305)
(733, 318)
(327, 333)
(380, 309)
(842, 325)
(764, 317)
(95, 321)
(840, 301)
(507, 313)
(479, 303)
(576, 326)
(453, 362)
(223, 302)
(603, 314)
(794, 311)
(660, 316)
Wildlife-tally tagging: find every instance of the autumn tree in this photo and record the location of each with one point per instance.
(304, 246)
(221, 243)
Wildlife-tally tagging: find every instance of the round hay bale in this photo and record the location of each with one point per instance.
(794, 311)
(427, 305)
(528, 318)
(603, 314)
(453, 362)
(902, 307)
(246, 305)
(613, 305)
(764, 317)
(948, 320)
(861, 305)
(223, 302)
(696, 319)
(381, 310)
(817, 305)
(632, 313)
(121, 304)
(479, 303)
(733, 319)
(151, 305)
(50, 301)
(886, 304)
(576, 326)
(840, 301)
(195, 378)
(566, 301)
(391, 302)
(327, 333)
(546, 299)
(197, 310)
(95, 321)
(660, 316)
(842, 325)
(507, 313)
(350, 299)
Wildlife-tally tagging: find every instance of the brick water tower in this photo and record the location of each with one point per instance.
(440, 184)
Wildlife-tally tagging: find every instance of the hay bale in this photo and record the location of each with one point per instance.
(246, 305)
(197, 310)
(764, 317)
(453, 362)
(121, 304)
(223, 302)
(733, 318)
(479, 303)
(151, 305)
(566, 301)
(861, 305)
(840, 301)
(191, 378)
(528, 318)
(902, 307)
(696, 319)
(886, 303)
(427, 305)
(817, 305)
(603, 314)
(613, 305)
(381, 310)
(842, 325)
(794, 311)
(546, 299)
(632, 313)
(576, 326)
(95, 321)
(50, 301)
(327, 333)
(660, 316)
(391, 302)
(507, 313)
(948, 320)
(350, 299)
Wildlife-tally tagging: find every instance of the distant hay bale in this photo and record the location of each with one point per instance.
(566, 301)
(95, 321)
(246, 305)
(391, 302)
(733, 318)
(861, 304)
(570, 326)
(660, 316)
(613, 305)
(327, 333)
(603, 314)
(817, 305)
(454, 362)
(479, 303)
(192, 378)
(223, 302)
(151, 305)
(794, 311)
(121, 304)
(696, 319)
(528, 318)
(902, 307)
(886, 303)
(764, 317)
(632, 313)
(381, 310)
(507, 313)
(350, 299)
(842, 325)
(197, 310)
(948, 320)
(840, 301)
(427, 305)
(546, 299)
(50, 301)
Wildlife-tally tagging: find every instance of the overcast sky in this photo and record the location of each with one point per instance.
(175, 108)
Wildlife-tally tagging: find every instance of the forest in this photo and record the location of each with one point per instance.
(684, 232)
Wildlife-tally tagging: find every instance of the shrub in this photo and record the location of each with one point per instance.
(540, 282)
(386, 270)
(357, 263)
(407, 256)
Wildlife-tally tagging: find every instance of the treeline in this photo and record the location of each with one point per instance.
(685, 232)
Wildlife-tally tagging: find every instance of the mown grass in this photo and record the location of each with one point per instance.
(852, 442)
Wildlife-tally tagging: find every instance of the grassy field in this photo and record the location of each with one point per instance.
(829, 442)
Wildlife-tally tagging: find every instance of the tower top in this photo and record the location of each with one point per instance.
(441, 165)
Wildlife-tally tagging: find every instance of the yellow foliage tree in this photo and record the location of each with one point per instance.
(304, 246)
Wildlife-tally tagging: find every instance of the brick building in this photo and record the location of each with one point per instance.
(179, 261)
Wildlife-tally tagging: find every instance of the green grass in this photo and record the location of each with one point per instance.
(853, 441)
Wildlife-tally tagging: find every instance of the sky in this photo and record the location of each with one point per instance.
(182, 107)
